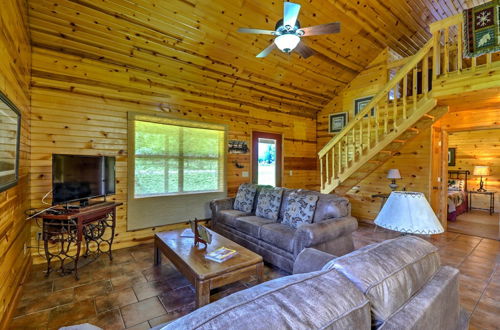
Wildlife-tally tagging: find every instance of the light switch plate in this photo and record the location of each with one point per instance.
(244, 174)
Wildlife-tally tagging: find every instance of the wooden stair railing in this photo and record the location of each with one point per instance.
(405, 99)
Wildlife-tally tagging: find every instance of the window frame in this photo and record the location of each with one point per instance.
(182, 123)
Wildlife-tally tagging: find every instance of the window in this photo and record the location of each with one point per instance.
(173, 157)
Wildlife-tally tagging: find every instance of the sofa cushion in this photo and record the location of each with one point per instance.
(279, 235)
(300, 209)
(284, 200)
(319, 300)
(228, 217)
(245, 197)
(269, 203)
(398, 268)
(331, 206)
(251, 225)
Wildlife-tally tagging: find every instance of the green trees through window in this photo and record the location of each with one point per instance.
(172, 159)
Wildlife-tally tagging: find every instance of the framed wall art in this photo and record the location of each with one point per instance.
(10, 127)
(360, 103)
(337, 122)
(451, 156)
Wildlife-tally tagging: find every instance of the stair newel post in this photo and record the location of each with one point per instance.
(425, 75)
(395, 110)
(446, 64)
(333, 164)
(345, 150)
(405, 94)
(339, 157)
(414, 88)
(322, 181)
(327, 168)
(436, 57)
(459, 48)
(386, 117)
(369, 132)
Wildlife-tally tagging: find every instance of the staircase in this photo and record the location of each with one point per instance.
(410, 102)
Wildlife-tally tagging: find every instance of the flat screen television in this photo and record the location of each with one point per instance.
(80, 178)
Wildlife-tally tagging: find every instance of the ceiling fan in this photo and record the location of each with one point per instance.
(288, 33)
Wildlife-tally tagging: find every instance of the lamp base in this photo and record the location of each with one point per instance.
(482, 190)
(393, 186)
(481, 186)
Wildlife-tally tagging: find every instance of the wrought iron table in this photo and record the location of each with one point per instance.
(491, 195)
(68, 227)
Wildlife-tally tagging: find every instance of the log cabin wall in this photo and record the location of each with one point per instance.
(412, 161)
(91, 68)
(476, 135)
(15, 63)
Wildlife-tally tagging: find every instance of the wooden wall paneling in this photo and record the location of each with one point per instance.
(478, 147)
(15, 63)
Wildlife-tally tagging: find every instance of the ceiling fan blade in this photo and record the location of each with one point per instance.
(291, 12)
(266, 51)
(256, 31)
(303, 50)
(321, 29)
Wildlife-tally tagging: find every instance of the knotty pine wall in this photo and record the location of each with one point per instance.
(412, 161)
(80, 105)
(15, 62)
(476, 135)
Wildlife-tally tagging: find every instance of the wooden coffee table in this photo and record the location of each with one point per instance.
(205, 274)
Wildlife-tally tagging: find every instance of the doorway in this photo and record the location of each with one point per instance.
(266, 158)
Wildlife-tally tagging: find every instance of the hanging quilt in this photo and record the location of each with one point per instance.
(482, 29)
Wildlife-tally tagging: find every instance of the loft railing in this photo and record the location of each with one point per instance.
(397, 101)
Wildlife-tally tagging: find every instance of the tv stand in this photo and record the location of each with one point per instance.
(68, 227)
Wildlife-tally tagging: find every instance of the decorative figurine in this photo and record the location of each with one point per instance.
(201, 234)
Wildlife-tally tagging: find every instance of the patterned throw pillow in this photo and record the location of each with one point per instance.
(268, 203)
(244, 197)
(300, 209)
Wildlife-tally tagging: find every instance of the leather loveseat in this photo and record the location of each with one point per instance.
(396, 284)
(279, 243)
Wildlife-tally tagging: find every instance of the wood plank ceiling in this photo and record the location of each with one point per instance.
(180, 51)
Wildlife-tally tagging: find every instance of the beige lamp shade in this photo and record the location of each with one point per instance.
(393, 174)
(409, 212)
(481, 170)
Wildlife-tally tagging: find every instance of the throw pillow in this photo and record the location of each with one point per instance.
(300, 209)
(244, 197)
(268, 203)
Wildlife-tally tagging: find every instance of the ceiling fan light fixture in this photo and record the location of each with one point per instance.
(287, 42)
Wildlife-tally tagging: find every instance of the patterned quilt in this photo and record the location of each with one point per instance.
(482, 29)
(455, 199)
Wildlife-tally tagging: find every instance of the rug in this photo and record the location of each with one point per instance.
(482, 29)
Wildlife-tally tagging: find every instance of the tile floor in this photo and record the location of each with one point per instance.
(131, 293)
(478, 223)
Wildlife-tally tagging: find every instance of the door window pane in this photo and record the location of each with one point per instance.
(267, 162)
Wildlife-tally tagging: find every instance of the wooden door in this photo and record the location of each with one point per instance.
(267, 160)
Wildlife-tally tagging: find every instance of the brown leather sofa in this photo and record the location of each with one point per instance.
(396, 284)
(278, 243)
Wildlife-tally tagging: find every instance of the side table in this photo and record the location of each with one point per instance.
(384, 198)
(491, 194)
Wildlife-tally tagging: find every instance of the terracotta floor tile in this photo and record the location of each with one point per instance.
(73, 313)
(109, 320)
(31, 321)
(171, 316)
(115, 299)
(141, 326)
(150, 289)
(177, 299)
(93, 289)
(142, 311)
(125, 281)
(43, 300)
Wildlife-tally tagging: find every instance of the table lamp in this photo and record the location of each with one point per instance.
(409, 212)
(393, 174)
(481, 171)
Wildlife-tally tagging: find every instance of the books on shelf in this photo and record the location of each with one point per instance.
(221, 254)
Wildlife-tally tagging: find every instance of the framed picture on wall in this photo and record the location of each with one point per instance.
(360, 103)
(451, 156)
(337, 122)
(10, 126)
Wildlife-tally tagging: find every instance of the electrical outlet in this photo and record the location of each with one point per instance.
(291, 173)
(244, 174)
(39, 236)
(25, 248)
